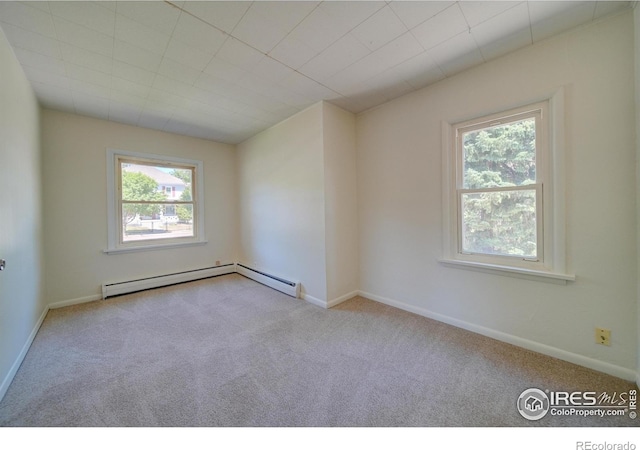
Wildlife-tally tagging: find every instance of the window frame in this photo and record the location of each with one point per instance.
(538, 112)
(115, 241)
(550, 263)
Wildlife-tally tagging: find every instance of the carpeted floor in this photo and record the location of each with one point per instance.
(230, 352)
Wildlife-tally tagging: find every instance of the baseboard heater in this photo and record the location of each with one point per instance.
(127, 287)
(291, 288)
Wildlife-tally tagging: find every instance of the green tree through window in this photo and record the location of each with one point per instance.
(499, 193)
(138, 187)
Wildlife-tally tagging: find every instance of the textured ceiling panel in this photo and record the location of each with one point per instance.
(227, 70)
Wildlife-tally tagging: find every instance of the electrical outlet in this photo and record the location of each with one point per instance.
(603, 336)
(217, 263)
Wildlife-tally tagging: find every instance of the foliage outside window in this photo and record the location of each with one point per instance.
(500, 191)
(153, 201)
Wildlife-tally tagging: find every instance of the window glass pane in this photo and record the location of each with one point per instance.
(141, 182)
(500, 223)
(155, 221)
(184, 213)
(502, 155)
(181, 189)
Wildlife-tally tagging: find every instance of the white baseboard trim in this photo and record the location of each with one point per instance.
(75, 301)
(342, 298)
(27, 345)
(331, 303)
(23, 353)
(590, 363)
(314, 301)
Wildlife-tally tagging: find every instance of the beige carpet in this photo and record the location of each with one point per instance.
(230, 352)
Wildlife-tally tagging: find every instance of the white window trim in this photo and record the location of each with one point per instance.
(553, 268)
(113, 217)
(538, 112)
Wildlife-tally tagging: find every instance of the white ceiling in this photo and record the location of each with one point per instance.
(225, 70)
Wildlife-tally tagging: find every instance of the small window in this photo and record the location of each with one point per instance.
(153, 201)
(169, 210)
(503, 192)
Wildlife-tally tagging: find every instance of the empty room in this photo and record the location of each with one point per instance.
(319, 214)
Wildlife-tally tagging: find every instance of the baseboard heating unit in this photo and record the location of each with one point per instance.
(127, 287)
(291, 288)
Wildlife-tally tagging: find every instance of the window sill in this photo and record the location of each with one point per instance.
(153, 247)
(529, 274)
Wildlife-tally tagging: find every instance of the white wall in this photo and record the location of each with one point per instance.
(341, 207)
(281, 201)
(298, 208)
(400, 190)
(21, 295)
(75, 204)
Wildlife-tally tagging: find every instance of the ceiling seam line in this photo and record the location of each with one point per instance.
(156, 72)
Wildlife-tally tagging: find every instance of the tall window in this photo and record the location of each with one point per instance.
(154, 201)
(499, 188)
(503, 193)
